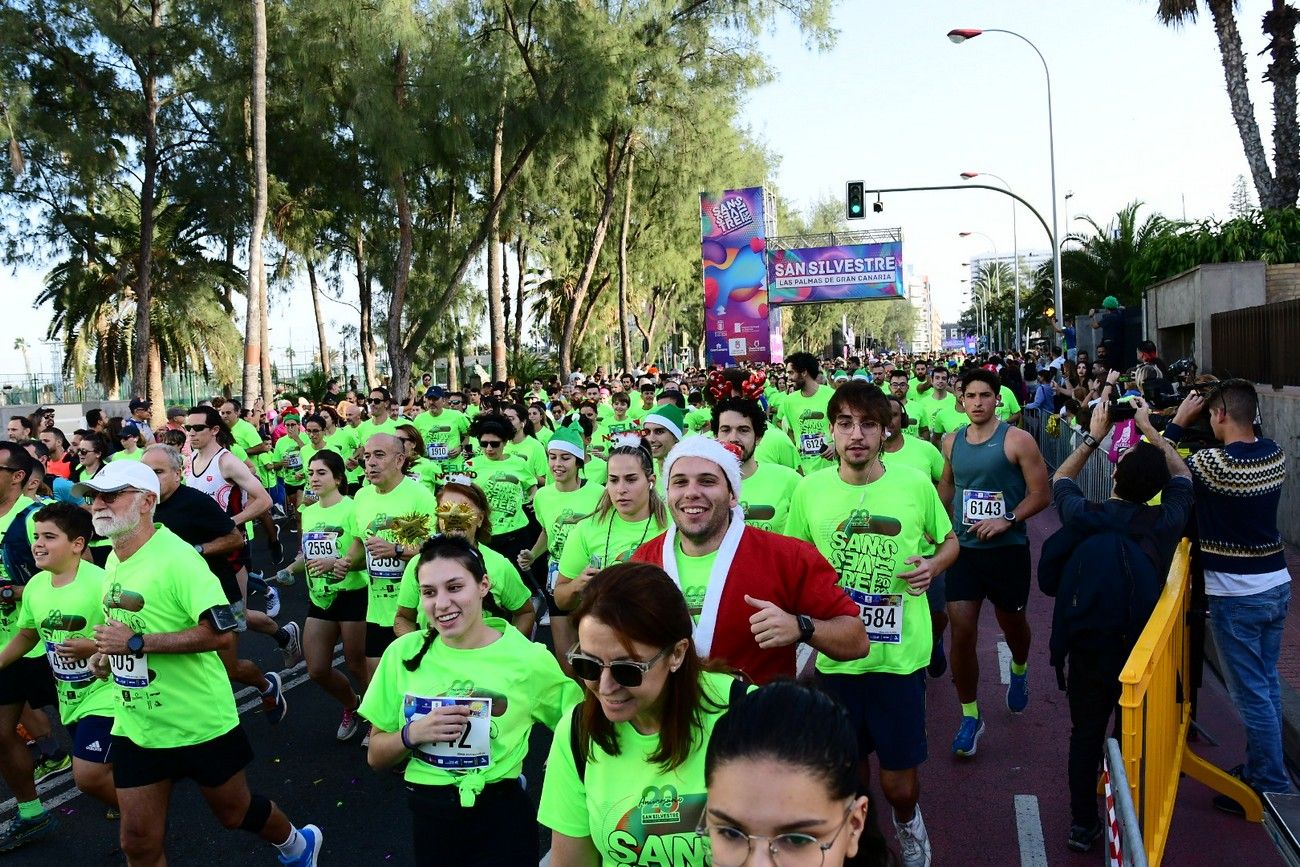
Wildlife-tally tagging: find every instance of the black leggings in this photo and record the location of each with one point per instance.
(500, 830)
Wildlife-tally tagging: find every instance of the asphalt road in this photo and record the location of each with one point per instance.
(1006, 806)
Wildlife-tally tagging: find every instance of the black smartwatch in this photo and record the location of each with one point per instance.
(8, 594)
(1010, 516)
(806, 627)
(398, 551)
(135, 645)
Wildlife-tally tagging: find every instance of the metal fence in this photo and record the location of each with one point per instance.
(1057, 438)
(1261, 343)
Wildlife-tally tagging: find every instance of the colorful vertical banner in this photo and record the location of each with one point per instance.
(733, 241)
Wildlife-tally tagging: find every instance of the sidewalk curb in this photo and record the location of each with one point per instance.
(1290, 704)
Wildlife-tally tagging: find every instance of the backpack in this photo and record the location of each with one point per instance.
(16, 548)
(578, 732)
(1106, 580)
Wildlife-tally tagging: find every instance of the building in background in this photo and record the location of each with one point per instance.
(1030, 261)
(926, 335)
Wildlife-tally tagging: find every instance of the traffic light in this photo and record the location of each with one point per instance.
(1047, 299)
(854, 207)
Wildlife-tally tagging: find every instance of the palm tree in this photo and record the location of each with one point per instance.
(1109, 260)
(21, 345)
(1281, 187)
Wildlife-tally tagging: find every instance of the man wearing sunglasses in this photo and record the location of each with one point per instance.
(754, 595)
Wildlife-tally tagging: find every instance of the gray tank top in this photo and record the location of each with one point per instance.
(988, 486)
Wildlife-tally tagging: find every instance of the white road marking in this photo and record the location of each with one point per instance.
(1004, 662)
(1029, 830)
(546, 860)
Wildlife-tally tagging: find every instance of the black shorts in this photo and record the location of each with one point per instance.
(28, 680)
(209, 764)
(936, 595)
(999, 574)
(348, 606)
(888, 713)
(377, 639)
(92, 739)
(293, 489)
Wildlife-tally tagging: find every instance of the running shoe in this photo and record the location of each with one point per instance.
(1083, 837)
(913, 841)
(938, 660)
(365, 742)
(348, 726)
(1018, 692)
(20, 831)
(272, 602)
(310, 856)
(277, 551)
(968, 736)
(273, 702)
(292, 649)
(51, 767)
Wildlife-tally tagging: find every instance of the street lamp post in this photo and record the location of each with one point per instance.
(959, 36)
(1015, 246)
(997, 276)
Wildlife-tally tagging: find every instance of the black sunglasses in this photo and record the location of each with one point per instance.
(490, 444)
(626, 672)
(195, 428)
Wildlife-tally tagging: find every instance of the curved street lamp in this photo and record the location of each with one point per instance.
(997, 275)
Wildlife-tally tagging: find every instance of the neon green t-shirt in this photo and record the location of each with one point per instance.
(867, 532)
(245, 435)
(946, 420)
(506, 585)
(344, 441)
(765, 496)
(806, 417)
(699, 419)
(633, 810)
(775, 448)
(290, 454)
(127, 456)
(443, 433)
(929, 405)
(60, 613)
(370, 427)
(531, 451)
(602, 438)
(693, 572)
(327, 533)
(913, 408)
(506, 484)
(559, 512)
(522, 680)
(1009, 405)
(166, 699)
(9, 613)
(918, 454)
(371, 512)
(603, 542)
(424, 472)
(596, 472)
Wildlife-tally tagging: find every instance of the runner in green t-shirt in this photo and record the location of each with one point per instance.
(765, 488)
(946, 420)
(630, 511)
(898, 387)
(289, 464)
(804, 410)
(1008, 408)
(871, 521)
(775, 448)
(936, 399)
(418, 468)
(459, 701)
(523, 444)
(61, 605)
(380, 420)
(611, 427)
(508, 482)
(336, 603)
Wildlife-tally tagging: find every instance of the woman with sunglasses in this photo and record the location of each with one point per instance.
(418, 467)
(795, 744)
(630, 511)
(341, 438)
(92, 453)
(625, 777)
(507, 480)
(459, 700)
(463, 512)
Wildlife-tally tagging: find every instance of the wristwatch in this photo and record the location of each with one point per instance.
(1010, 516)
(806, 627)
(1091, 441)
(199, 547)
(135, 645)
(398, 551)
(7, 594)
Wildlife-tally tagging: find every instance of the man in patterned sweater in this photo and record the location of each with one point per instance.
(1237, 488)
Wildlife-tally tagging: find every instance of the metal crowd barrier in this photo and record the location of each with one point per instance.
(1057, 439)
(1156, 714)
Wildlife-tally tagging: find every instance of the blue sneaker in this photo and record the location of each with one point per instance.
(273, 702)
(20, 831)
(1018, 692)
(968, 736)
(310, 856)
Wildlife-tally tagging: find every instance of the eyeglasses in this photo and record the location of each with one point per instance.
(195, 428)
(731, 847)
(490, 444)
(626, 672)
(8, 468)
(109, 497)
(84, 452)
(848, 425)
(314, 430)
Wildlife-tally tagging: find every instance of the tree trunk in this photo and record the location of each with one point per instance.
(148, 189)
(365, 299)
(521, 268)
(453, 373)
(399, 361)
(1280, 27)
(496, 304)
(1243, 110)
(255, 344)
(624, 339)
(268, 381)
(158, 409)
(616, 151)
(320, 320)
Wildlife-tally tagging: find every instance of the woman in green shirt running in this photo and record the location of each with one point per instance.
(629, 513)
(418, 467)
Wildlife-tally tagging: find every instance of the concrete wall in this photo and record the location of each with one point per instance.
(1282, 282)
(67, 416)
(1191, 298)
(1279, 412)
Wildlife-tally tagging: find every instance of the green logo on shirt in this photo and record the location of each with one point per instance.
(57, 621)
(865, 558)
(660, 830)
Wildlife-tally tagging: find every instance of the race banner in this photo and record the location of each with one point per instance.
(852, 272)
(733, 234)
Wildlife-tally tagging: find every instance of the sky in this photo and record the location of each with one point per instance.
(1139, 109)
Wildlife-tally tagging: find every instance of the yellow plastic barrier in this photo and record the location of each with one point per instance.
(1156, 713)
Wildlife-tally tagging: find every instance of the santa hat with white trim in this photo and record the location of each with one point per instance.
(698, 446)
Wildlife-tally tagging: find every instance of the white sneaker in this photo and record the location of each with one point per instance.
(292, 651)
(913, 841)
(272, 602)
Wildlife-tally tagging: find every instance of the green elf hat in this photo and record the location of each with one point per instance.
(669, 416)
(568, 439)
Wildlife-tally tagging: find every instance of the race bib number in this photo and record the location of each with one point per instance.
(384, 568)
(319, 545)
(812, 444)
(292, 461)
(437, 451)
(129, 671)
(473, 749)
(979, 506)
(882, 615)
(67, 670)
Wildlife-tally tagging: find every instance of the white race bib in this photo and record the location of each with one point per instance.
(67, 670)
(979, 506)
(812, 444)
(437, 451)
(385, 568)
(130, 671)
(473, 749)
(320, 545)
(882, 615)
(293, 460)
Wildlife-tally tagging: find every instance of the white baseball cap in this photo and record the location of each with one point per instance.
(118, 476)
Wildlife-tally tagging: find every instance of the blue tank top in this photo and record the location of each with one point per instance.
(987, 486)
